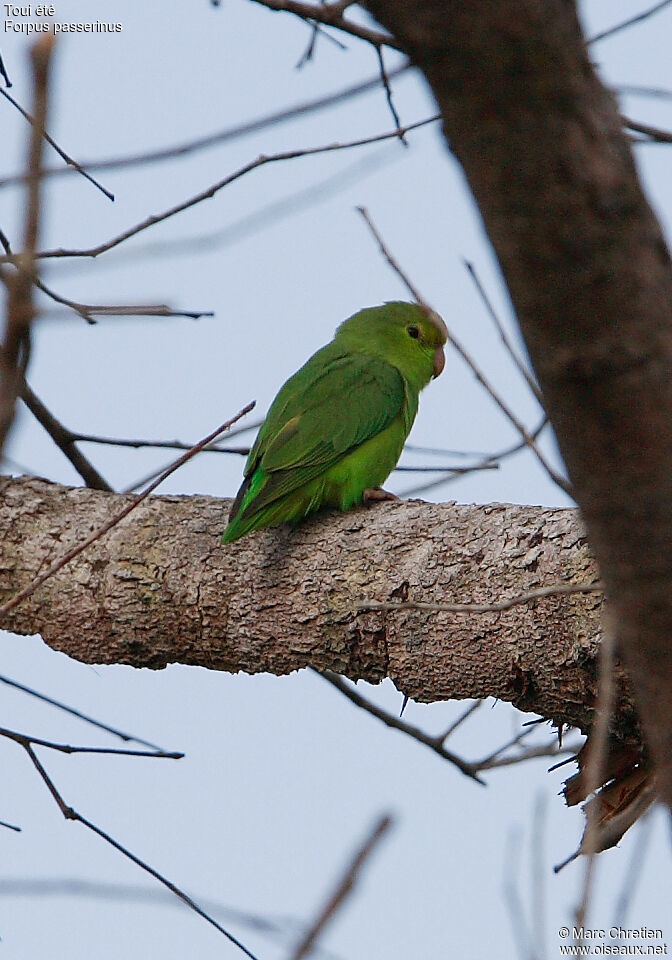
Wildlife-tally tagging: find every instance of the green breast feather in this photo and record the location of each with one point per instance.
(338, 426)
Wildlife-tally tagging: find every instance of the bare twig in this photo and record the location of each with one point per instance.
(635, 90)
(227, 135)
(211, 191)
(10, 826)
(537, 594)
(71, 814)
(534, 753)
(24, 740)
(241, 451)
(68, 159)
(511, 416)
(631, 21)
(480, 376)
(279, 928)
(472, 708)
(388, 93)
(344, 887)
(655, 134)
(20, 285)
(524, 371)
(3, 73)
(263, 217)
(434, 743)
(90, 310)
(512, 896)
(316, 31)
(114, 520)
(496, 457)
(63, 439)
(633, 872)
(405, 279)
(131, 488)
(152, 444)
(126, 737)
(457, 471)
(498, 757)
(331, 14)
(538, 875)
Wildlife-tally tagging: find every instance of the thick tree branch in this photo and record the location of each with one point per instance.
(541, 144)
(161, 589)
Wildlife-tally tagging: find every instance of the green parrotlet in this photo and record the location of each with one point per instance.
(336, 429)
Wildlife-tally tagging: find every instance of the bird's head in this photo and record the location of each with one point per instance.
(408, 335)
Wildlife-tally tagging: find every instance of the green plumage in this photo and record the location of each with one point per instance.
(338, 426)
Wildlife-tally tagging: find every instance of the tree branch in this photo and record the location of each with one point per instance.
(160, 589)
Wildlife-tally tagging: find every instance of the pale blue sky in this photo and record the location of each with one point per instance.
(282, 776)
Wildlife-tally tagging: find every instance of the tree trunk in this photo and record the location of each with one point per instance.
(541, 144)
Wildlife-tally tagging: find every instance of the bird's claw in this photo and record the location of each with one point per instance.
(377, 494)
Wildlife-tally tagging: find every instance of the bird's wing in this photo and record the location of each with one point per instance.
(331, 406)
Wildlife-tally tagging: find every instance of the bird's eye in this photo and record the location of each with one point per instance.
(413, 332)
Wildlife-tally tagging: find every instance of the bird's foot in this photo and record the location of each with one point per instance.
(376, 494)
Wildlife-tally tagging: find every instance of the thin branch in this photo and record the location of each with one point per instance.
(211, 191)
(531, 595)
(331, 14)
(389, 719)
(480, 376)
(344, 887)
(472, 708)
(634, 90)
(263, 217)
(538, 875)
(10, 826)
(152, 444)
(517, 738)
(90, 310)
(405, 279)
(62, 438)
(114, 520)
(316, 31)
(634, 871)
(655, 134)
(241, 451)
(512, 896)
(71, 814)
(497, 758)
(229, 134)
(388, 93)
(163, 444)
(3, 73)
(127, 737)
(68, 159)
(279, 928)
(497, 457)
(631, 21)
(457, 471)
(527, 437)
(533, 753)
(24, 740)
(447, 452)
(522, 368)
(20, 286)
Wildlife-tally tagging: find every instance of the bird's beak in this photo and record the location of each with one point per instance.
(439, 361)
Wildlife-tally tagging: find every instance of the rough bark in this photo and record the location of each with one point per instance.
(540, 142)
(159, 588)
